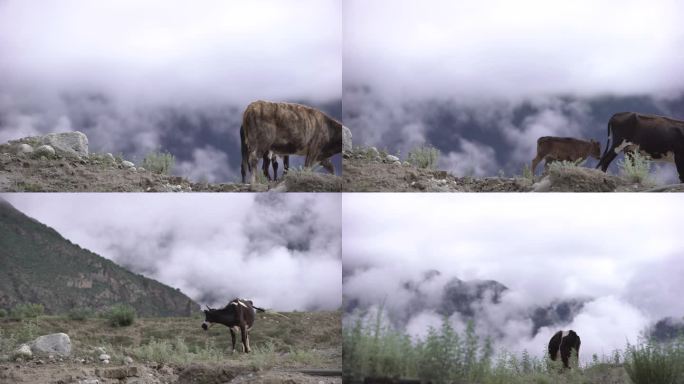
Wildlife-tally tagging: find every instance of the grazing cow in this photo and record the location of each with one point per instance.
(550, 149)
(288, 129)
(237, 314)
(561, 346)
(659, 137)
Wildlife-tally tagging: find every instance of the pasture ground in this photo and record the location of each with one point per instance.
(364, 173)
(22, 173)
(302, 349)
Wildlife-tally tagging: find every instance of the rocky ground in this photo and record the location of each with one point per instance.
(65, 165)
(303, 348)
(370, 170)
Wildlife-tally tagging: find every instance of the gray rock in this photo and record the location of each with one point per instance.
(346, 139)
(373, 152)
(127, 360)
(392, 158)
(24, 149)
(127, 164)
(543, 185)
(45, 150)
(141, 169)
(23, 352)
(109, 157)
(56, 343)
(104, 357)
(68, 143)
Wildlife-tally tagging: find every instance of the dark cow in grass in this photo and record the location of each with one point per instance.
(562, 345)
(660, 138)
(550, 149)
(288, 129)
(238, 314)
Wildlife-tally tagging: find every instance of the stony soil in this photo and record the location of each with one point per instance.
(27, 173)
(364, 173)
(317, 335)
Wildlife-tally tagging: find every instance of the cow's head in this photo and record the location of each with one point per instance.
(208, 317)
(595, 149)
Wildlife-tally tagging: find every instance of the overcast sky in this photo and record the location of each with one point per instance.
(139, 75)
(486, 62)
(625, 254)
(282, 251)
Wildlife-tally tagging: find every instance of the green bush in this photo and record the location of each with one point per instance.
(121, 315)
(80, 314)
(3, 313)
(424, 156)
(635, 167)
(159, 162)
(26, 311)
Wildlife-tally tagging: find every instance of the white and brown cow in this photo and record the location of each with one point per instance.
(288, 129)
(551, 148)
(562, 345)
(237, 314)
(659, 137)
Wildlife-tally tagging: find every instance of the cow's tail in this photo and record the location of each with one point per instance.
(244, 166)
(605, 151)
(258, 309)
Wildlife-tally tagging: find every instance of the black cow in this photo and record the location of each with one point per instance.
(237, 314)
(562, 344)
(659, 137)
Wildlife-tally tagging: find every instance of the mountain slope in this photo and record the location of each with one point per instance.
(38, 265)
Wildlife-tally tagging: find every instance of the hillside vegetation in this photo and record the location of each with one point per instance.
(38, 265)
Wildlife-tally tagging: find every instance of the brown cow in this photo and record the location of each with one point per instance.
(550, 149)
(288, 129)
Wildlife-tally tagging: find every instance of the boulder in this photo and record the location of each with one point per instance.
(346, 139)
(391, 158)
(74, 144)
(45, 150)
(127, 164)
(24, 148)
(56, 343)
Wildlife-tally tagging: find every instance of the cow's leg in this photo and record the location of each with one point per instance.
(245, 342)
(232, 337)
(535, 162)
(679, 162)
(274, 163)
(253, 161)
(328, 165)
(265, 163)
(286, 164)
(606, 159)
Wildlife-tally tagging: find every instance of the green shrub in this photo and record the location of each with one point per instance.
(26, 311)
(121, 315)
(635, 167)
(80, 314)
(159, 162)
(424, 156)
(3, 313)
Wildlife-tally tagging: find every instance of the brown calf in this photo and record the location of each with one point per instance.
(550, 149)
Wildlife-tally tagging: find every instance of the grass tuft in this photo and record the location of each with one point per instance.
(159, 162)
(635, 167)
(424, 156)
